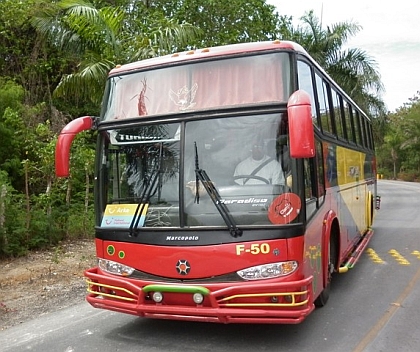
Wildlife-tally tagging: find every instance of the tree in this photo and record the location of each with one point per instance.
(392, 147)
(24, 56)
(224, 22)
(352, 69)
(12, 142)
(410, 130)
(401, 142)
(102, 37)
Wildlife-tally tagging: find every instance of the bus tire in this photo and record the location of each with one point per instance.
(332, 251)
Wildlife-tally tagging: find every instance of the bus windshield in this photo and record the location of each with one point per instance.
(149, 164)
(199, 86)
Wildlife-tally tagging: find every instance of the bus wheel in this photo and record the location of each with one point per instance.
(322, 299)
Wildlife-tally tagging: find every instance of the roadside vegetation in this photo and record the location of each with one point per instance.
(54, 60)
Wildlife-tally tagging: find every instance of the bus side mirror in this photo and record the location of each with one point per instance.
(301, 129)
(65, 139)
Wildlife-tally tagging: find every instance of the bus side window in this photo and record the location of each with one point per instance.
(324, 111)
(308, 169)
(320, 172)
(314, 181)
(306, 83)
(308, 165)
(338, 118)
(357, 128)
(348, 122)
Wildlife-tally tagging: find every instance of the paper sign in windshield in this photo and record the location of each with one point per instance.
(121, 215)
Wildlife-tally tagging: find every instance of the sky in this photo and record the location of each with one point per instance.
(390, 35)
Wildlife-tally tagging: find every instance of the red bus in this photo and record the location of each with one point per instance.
(231, 183)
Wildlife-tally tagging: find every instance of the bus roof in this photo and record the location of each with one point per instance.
(208, 52)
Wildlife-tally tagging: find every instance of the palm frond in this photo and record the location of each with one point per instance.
(89, 82)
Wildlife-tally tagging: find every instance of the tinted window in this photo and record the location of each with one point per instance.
(305, 83)
(322, 89)
(338, 118)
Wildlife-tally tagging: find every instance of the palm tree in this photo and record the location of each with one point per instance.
(101, 38)
(352, 69)
(393, 143)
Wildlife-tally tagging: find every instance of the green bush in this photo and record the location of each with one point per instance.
(42, 227)
(80, 224)
(409, 175)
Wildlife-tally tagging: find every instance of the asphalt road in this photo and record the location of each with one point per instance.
(374, 307)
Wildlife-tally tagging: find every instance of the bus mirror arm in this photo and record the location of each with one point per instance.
(301, 130)
(65, 139)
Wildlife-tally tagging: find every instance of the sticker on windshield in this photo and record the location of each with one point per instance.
(284, 209)
(121, 215)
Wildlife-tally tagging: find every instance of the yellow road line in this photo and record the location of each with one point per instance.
(374, 256)
(400, 259)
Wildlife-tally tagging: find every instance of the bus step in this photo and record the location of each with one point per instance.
(358, 250)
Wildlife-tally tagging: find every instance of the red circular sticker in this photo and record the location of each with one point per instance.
(284, 209)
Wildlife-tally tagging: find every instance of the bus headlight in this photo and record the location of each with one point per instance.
(114, 268)
(268, 271)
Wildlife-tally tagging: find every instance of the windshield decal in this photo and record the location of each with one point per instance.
(121, 215)
(141, 104)
(250, 200)
(184, 97)
(284, 209)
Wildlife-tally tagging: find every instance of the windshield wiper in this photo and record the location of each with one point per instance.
(149, 191)
(201, 175)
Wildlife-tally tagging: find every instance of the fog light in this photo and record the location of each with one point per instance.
(157, 297)
(198, 298)
(288, 299)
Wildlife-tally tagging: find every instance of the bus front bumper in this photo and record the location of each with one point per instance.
(247, 302)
